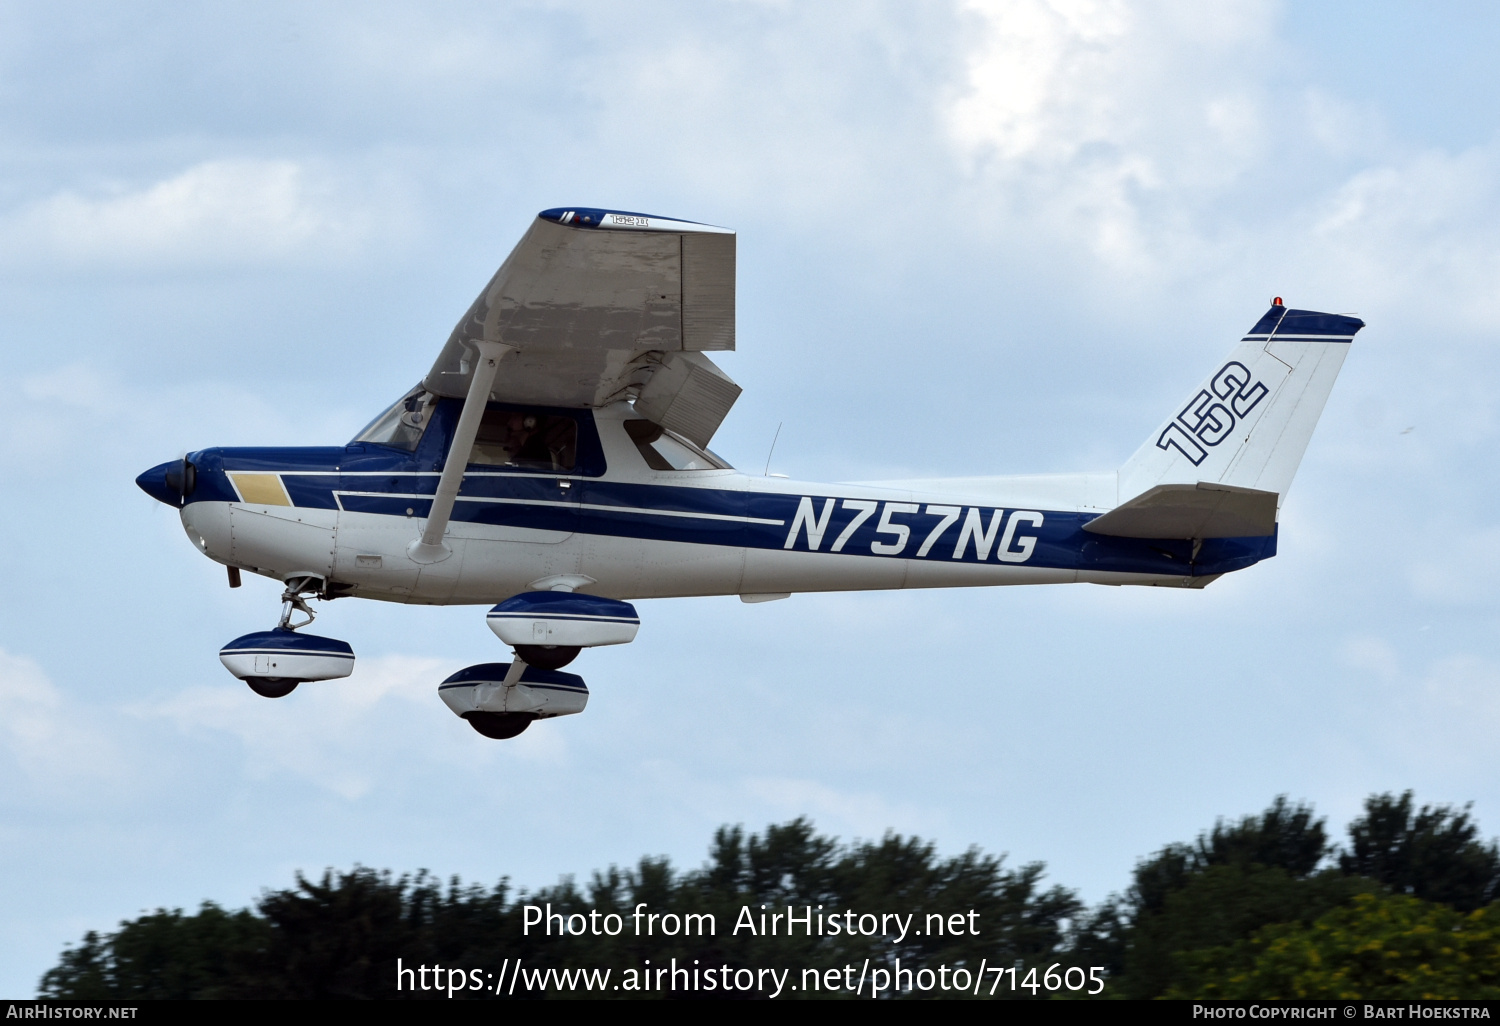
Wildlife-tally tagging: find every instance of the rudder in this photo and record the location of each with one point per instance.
(1246, 427)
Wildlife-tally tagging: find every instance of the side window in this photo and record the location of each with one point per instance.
(402, 425)
(519, 438)
(664, 450)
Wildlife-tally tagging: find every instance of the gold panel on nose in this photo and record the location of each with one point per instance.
(261, 489)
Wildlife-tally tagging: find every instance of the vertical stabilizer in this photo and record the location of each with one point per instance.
(1248, 424)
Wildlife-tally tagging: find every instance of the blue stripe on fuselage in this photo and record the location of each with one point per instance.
(392, 485)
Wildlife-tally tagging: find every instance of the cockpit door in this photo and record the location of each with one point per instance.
(521, 483)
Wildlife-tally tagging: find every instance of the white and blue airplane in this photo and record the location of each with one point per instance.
(555, 461)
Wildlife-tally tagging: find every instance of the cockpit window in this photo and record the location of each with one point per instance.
(664, 450)
(521, 438)
(402, 425)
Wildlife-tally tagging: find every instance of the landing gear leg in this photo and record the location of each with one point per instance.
(498, 725)
(272, 651)
(292, 601)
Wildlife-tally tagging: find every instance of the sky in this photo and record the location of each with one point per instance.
(988, 237)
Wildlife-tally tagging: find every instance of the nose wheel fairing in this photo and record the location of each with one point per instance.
(274, 662)
(268, 659)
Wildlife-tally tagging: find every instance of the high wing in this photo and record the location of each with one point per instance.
(594, 306)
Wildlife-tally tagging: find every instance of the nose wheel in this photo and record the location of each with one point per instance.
(274, 662)
(272, 687)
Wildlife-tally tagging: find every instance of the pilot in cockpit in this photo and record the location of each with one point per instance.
(516, 438)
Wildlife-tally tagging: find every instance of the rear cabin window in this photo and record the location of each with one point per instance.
(402, 425)
(664, 450)
(534, 441)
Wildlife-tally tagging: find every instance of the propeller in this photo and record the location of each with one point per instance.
(182, 477)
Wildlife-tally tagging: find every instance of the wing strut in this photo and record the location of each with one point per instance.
(430, 548)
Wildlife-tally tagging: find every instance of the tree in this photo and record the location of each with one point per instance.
(162, 956)
(339, 936)
(1378, 946)
(1233, 880)
(790, 865)
(1433, 853)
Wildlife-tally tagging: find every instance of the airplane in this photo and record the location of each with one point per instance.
(554, 464)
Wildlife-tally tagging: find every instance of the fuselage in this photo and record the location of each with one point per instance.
(349, 515)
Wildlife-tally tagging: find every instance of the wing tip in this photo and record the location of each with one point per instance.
(607, 218)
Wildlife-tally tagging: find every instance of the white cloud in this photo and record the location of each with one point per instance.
(82, 406)
(46, 737)
(1172, 142)
(343, 736)
(1113, 123)
(1023, 98)
(219, 212)
(332, 734)
(1421, 232)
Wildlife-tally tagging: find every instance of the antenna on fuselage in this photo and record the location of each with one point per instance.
(773, 449)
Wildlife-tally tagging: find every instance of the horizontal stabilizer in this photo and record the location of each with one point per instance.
(1202, 510)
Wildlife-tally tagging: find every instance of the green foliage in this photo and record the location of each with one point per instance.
(340, 936)
(791, 865)
(1233, 880)
(162, 956)
(1379, 946)
(1433, 853)
(1192, 907)
(1218, 906)
(1263, 906)
(337, 937)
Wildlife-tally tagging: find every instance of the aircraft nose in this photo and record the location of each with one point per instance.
(170, 483)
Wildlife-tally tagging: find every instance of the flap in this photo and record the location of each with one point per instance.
(688, 395)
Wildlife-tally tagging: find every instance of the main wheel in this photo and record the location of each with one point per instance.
(272, 687)
(499, 725)
(548, 657)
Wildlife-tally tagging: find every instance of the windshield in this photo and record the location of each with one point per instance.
(402, 425)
